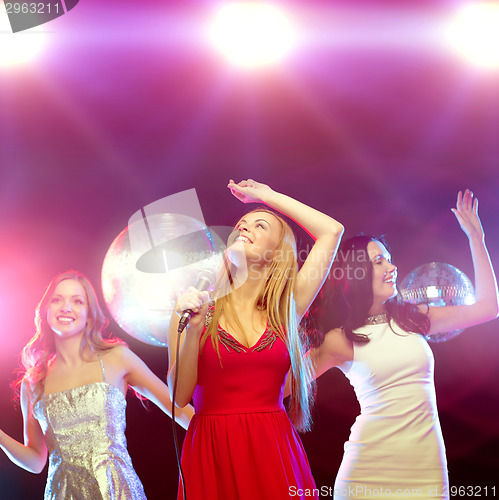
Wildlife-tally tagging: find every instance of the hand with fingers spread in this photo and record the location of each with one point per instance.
(466, 213)
(250, 191)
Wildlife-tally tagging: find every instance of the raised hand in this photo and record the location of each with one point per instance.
(250, 191)
(486, 306)
(466, 213)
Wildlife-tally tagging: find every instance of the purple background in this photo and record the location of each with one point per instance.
(371, 120)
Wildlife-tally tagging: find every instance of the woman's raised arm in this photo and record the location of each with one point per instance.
(486, 307)
(325, 230)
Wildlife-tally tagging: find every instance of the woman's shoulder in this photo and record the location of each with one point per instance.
(338, 345)
(115, 352)
(119, 361)
(335, 335)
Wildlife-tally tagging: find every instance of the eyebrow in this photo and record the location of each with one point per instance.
(381, 256)
(72, 296)
(256, 220)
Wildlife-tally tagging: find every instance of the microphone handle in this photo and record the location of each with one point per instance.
(184, 319)
(203, 284)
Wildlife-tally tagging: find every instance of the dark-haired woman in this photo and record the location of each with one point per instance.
(395, 447)
(73, 398)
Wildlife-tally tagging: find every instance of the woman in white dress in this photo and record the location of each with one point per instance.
(395, 448)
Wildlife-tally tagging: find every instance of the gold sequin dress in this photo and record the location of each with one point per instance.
(84, 431)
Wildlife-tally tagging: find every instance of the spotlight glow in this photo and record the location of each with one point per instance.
(252, 34)
(475, 33)
(18, 48)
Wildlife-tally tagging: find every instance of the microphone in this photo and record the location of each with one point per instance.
(206, 279)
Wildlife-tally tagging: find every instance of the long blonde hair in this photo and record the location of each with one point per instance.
(39, 352)
(277, 300)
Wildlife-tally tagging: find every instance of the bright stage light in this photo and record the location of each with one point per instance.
(475, 33)
(18, 48)
(252, 34)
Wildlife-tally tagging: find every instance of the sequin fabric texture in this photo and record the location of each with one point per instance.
(84, 431)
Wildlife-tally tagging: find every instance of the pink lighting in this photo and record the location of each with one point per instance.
(474, 33)
(19, 48)
(252, 34)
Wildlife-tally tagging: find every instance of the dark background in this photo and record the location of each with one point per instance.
(372, 120)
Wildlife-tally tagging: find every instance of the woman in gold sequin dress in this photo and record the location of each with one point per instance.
(73, 398)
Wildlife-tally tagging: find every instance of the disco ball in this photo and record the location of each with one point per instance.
(149, 264)
(438, 284)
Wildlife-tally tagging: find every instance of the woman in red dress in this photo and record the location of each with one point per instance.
(238, 350)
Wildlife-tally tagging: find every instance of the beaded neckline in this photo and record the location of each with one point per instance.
(376, 319)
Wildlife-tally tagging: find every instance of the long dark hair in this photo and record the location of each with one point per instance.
(347, 295)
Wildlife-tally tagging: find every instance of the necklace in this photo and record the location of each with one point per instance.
(376, 319)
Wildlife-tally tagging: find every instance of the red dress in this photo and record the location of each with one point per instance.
(240, 444)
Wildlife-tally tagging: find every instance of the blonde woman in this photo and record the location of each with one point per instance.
(73, 398)
(237, 352)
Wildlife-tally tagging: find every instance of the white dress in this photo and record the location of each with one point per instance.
(395, 448)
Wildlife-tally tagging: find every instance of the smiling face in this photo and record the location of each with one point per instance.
(384, 274)
(67, 309)
(259, 234)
